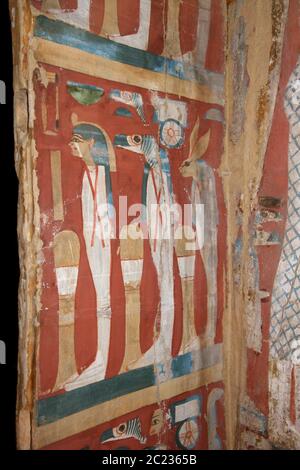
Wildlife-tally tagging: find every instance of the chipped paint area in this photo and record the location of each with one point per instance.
(239, 53)
(245, 340)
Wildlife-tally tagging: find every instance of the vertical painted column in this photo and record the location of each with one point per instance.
(172, 40)
(110, 21)
(66, 259)
(202, 33)
(58, 208)
(131, 252)
(186, 262)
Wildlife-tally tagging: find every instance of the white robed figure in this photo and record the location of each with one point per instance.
(203, 192)
(157, 199)
(93, 146)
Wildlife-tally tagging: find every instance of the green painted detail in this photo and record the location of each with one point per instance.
(123, 112)
(85, 94)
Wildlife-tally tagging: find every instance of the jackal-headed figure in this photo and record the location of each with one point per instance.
(157, 196)
(285, 307)
(204, 192)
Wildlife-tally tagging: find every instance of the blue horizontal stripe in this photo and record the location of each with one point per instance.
(57, 407)
(68, 35)
(53, 408)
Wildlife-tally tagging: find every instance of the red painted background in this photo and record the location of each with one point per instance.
(127, 181)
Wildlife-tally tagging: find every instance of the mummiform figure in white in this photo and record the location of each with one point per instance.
(93, 146)
(203, 193)
(157, 198)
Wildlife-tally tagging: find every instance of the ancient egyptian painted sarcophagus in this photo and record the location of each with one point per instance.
(157, 151)
(127, 128)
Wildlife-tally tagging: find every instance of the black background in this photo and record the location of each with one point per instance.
(9, 249)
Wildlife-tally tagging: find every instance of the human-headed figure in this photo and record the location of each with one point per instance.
(92, 144)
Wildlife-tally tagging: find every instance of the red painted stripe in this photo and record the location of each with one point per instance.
(64, 4)
(215, 50)
(128, 14)
(178, 309)
(200, 293)
(96, 15)
(37, 4)
(68, 4)
(292, 398)
(157, 20)
(118, 307)
(188, 25)
(149, 299)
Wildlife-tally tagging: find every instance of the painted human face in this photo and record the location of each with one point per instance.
(81, 148)
(78, 146)
(157, 422)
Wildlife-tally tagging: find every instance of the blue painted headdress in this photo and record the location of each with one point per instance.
(99, 150)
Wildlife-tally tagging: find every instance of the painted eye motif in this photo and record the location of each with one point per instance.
(127, 96)
(121, 429)
(155, 421)
(76, 140)
(135, 140)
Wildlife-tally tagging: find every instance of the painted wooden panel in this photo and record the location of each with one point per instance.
(136, 346)
(128, 132)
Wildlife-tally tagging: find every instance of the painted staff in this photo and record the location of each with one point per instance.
(186, 261)
(110, 25)
(66, 250)
(58, 207)
(131, 252)
(172, 46)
